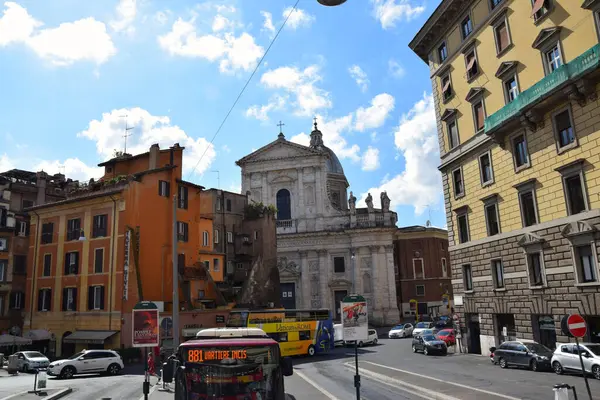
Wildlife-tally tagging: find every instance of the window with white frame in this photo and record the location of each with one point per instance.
(486, 171)
(444, 268)
(205, 238)
(511, 89)
(553, 58)
(447, 91)
(472, 65)
(539, 8)
(3, 270)
(533, 248)
(467, 278)
(69, 299)
(218, 204)
(44, 299)
(229, 237)
(466, 27)
(564, 130)
(463, 226)
(3, 244)
(492, 219)
(586, 263)
(442, 52)
(418, 268)
(502, 35)
(581, 236)
(255, 235)
(17, 300)
(479, 114)
(528, 203)
(182, 231)
(420, 290)
(216, 235)
(573, 179)
(98, 299)
(22, 228)
(535, 268)
(459, 186)
(498, 274)
(520, 152)
(452, 129)
(495, 3)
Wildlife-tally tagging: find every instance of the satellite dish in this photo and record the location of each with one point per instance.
(331, 3)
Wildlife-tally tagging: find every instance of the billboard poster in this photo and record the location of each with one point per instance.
(145, 325)
(355, 322)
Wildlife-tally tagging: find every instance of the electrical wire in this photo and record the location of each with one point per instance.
(244, 88)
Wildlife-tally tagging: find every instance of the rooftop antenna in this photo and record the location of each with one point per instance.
(127, 129)
(218, 178)
(428, 223)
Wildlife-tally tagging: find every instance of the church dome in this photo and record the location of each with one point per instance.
(334, 165)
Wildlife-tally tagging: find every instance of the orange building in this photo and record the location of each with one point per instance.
(108, 245)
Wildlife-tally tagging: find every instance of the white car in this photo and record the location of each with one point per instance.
(566, 358)
(400, 331)
(371, 339)
(421, 326)
(87, 362)
(30, 360)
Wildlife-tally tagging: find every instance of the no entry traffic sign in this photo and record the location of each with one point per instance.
(575, 325)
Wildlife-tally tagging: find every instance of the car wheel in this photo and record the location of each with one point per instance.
(414, 348)
(67, 372)
(113, 369)
(533, 365)
(360, 344)
(596, 371)
(311, 351)
(503, 363)
(403, 335)
(557, 368)
(425, 351)
(374, 342)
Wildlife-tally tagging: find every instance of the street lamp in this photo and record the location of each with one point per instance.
(331, 3)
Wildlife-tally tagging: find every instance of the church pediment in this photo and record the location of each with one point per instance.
(278, 150)
(529, 239)
(340, 282)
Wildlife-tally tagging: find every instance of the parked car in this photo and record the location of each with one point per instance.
(87, 362)
(420, 326)
(372, 339)
(566, 358)
(31, 360)
(400, 331)
(447, 335)
(443, 322)
(429, 344)
(532, 355)
(425, 332)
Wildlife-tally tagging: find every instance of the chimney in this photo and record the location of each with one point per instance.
(154, 151)
(40, 183)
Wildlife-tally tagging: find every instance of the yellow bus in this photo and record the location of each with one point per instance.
(298, 332)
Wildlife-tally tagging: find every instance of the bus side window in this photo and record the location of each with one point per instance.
(304, 335)
(283, 337)
(274, 336)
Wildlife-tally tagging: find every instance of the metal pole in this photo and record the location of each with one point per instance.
(146, 377)
(357, 376)
(587, 384)
(175, 279)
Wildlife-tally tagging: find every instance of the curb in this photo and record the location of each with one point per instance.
(58, 395)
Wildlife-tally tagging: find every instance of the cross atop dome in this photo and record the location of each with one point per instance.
(316, 137)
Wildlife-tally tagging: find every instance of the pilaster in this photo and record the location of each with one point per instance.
(305, 279)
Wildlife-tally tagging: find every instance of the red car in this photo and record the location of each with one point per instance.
(447, 335)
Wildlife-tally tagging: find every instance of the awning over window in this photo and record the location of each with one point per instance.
(38, 334)
(95, 337)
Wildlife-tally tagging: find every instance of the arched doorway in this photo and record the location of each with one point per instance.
(284, 205)
(66, 349)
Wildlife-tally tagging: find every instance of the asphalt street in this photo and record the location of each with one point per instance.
(388, 371)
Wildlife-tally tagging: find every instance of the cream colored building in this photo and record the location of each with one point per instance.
(515, 86)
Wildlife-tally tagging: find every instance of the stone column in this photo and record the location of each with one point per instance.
(265, 190)
(356, 278)
(305, 279)
(300, 184)
(324, 278)
(378, 286)
(319, 191)
(393, 315)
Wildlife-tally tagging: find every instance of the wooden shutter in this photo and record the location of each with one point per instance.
(40, 299)
(502, 36)
(65, 296)
(480, 117)
(48, 293)
(76, 263)
(90, 297)
(180, 263)
(74, 299)
(67, 258)
(102, 297)
(98, 260)
(12, 300)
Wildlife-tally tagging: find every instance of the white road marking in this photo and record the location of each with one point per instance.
(404, 386)
(316, 385)
(446, 382)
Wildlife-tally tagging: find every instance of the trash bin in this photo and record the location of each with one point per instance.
(561, 391)
(167, 371)
(13, 364)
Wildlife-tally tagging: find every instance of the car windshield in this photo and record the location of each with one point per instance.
(429, 338)
(422, 325)
(33, 354)
(537, 348)
(594, 348)
(427, 332)
(398, 327)
(76, 356)
(443, 333)
(219, 373)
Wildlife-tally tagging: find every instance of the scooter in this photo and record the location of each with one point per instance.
(492, 351)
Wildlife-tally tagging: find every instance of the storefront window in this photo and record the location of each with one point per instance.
(544, 331)
(593, 323)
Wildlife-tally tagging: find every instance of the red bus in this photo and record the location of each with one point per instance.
(231, 364)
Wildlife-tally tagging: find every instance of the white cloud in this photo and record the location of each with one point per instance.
(419, 184)
(300, 85)
(375, 115)
(148, 129)
(374, 137)
(232, 52)
(395, 69)
(126, 11)
(268, 24)
(261, 113)
(16, 25)
(72, 168)
(235, 187)
(388, 12)
(83, 40)
(220, 23)
(360, 77)
(370, 159)
(298, 18)
(5, 163)
(162, 17)
(301, 138)
(226, 148)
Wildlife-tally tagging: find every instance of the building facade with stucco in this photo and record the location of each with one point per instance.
(326, 246)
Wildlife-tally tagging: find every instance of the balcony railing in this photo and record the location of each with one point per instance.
(586, 62)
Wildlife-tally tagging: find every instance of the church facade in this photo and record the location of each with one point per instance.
(327, 247)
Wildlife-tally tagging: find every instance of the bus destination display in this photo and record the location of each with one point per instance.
(202, 355)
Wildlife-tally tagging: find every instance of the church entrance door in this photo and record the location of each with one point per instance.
(338, 296)
(288, 295)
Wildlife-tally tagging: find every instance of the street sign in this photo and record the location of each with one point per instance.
(577, 326)
(355, 323)
(145, 330)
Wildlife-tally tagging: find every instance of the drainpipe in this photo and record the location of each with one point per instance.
(33, 278)
(112, 264)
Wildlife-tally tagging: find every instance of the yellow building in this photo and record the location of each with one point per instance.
(515, 86)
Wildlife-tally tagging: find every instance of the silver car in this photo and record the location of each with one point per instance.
(30, 360)
(566, 358)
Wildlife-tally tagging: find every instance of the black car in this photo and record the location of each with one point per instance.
(532, 355)
(429, 344)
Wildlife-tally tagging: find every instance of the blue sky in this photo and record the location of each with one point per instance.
(72, 73)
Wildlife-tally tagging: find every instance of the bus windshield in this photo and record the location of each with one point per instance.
(226, 373)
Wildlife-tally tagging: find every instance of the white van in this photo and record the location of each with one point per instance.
(338, 335)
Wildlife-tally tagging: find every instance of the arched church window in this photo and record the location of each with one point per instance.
(284, 205)
(366, 283)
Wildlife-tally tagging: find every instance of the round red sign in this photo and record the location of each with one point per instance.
(577, 325)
